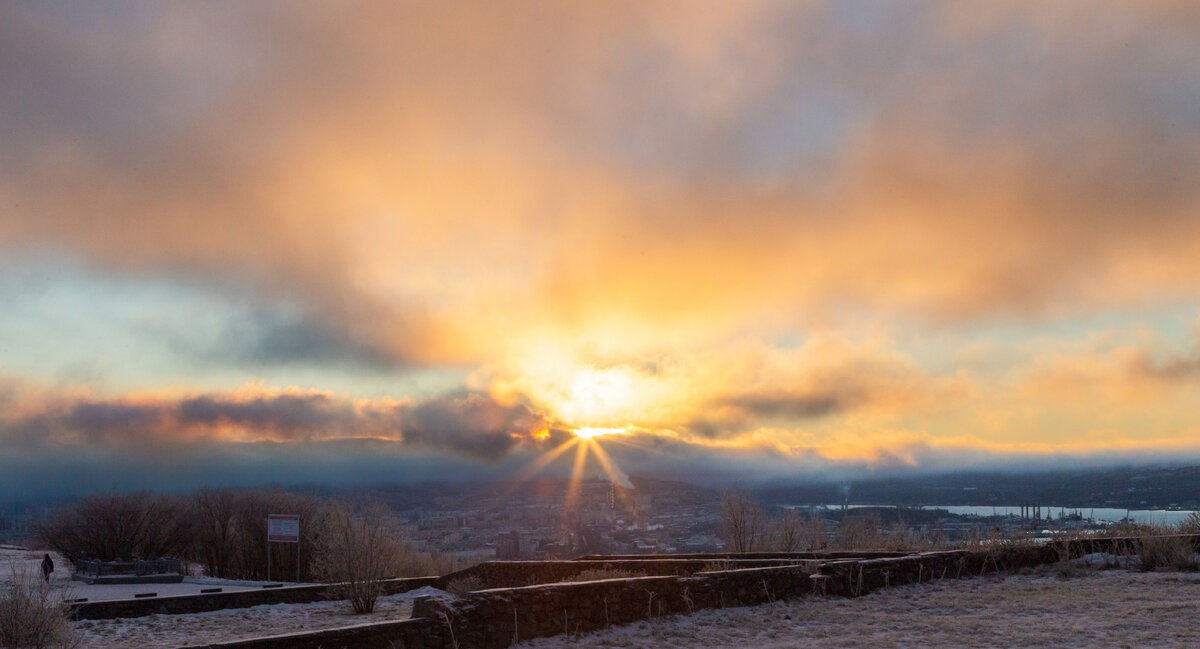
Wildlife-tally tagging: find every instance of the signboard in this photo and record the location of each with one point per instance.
(283, 528)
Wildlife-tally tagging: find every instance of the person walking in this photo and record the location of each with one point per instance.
(47, 567)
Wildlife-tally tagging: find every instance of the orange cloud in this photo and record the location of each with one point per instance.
(607, 213)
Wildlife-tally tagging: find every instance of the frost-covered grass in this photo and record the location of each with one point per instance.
(1095, 608)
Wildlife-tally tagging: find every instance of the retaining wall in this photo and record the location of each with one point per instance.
(719, 556)
(514, 574)
(201, 603)
(403, 634)
(494, 618)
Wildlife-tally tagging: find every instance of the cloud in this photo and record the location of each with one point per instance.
(422, 175)
(283, 338)
(607, 214)
(466, 425)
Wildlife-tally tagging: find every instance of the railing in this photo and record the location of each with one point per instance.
(96, 568)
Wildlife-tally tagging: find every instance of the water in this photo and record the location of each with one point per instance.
(1099, 514)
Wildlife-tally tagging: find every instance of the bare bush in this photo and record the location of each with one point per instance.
(901, 539)
(1191, 524)
(32, 615)
(860, 532)
(466, 584)
(359, 550)
(812, 534)
(743, 526)
(117, 527)
(1171, 552)
(787, 533)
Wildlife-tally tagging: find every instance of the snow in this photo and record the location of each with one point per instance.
(15, 560)
(235, 624)
(1091, 608)
(198, 628)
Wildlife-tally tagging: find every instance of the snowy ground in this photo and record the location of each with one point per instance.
(15, 560)
(168, 631)
(1095, 608)
(233, 624)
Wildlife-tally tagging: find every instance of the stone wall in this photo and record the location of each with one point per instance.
(402, 634)
(718, 556)
(513, 574)
(494, 618)
(234, 599)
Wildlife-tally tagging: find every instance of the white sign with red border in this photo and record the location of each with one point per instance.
(283, 528)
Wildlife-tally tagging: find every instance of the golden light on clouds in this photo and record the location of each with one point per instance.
(860, 232)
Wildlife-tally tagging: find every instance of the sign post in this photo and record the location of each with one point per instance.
(283, 528)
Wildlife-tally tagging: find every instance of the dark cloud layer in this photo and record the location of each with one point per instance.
(467, 425)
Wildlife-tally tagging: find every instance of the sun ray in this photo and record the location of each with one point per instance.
(615, 474)
(544, 460)
(576, 483)
(610, 468)
(617, 439)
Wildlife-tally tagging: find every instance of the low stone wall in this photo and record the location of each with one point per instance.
(201, 603)
(514, 574)
(719, 556)
(402, 634)
(494, 618)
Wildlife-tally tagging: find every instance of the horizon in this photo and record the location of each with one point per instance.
(741, 243)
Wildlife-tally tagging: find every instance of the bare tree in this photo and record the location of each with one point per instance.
(118, 526)
(787, 531)
(742, 523)
(359, 550)
(215, 542)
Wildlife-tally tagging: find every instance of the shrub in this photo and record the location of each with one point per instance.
(1166, 552)
(118, 527)
(860, 532)
(743, 525)
(32, 616)
(359, 550)
(1191, 524)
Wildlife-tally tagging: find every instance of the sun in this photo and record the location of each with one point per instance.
(589, 433)
(595, 395)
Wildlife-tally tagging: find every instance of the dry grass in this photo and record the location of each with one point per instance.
(1166, 553)
(466, 584)
(32, 615)
(596, 574)
(1095, 609)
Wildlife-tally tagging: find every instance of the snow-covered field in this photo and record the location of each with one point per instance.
(16, 560)
(167, 631)
(1094, 609)
(233, 624)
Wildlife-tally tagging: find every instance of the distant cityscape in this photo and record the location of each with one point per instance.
(541, 519)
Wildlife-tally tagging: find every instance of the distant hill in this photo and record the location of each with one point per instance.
(1120, 487)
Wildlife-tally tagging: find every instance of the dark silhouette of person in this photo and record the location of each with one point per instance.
(47, 567)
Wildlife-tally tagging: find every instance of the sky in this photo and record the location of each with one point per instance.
(362, 241)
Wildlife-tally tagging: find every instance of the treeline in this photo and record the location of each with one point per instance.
(225, 532)
(747, 527)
